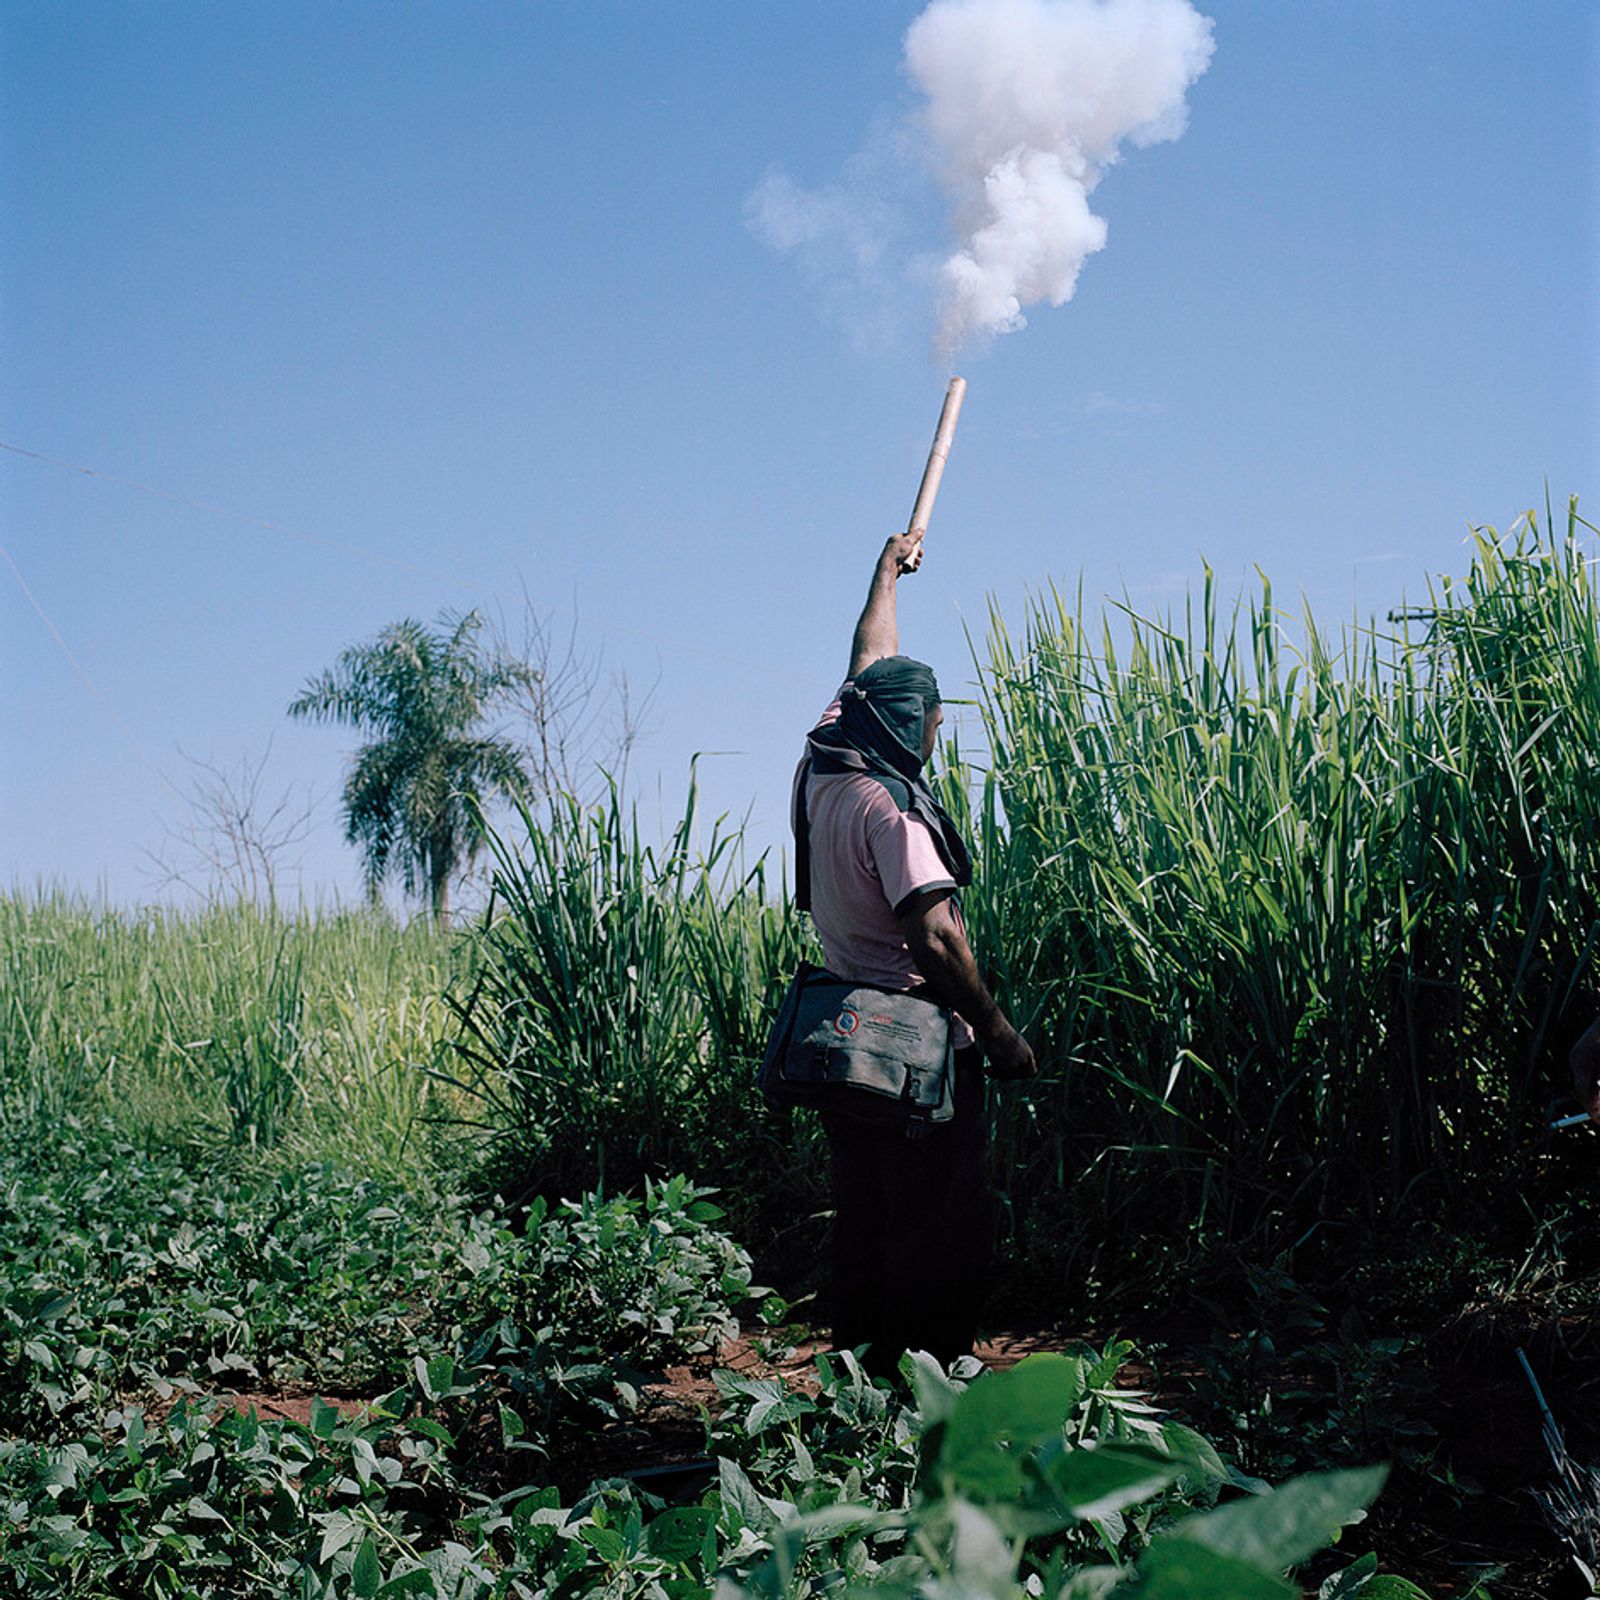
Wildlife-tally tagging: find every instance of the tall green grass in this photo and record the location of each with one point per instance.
(231, 1024)
(621, 997)
(1303, 928)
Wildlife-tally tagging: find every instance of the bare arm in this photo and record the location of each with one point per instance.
(945, 959)
(878, 631)
(1586, 1071)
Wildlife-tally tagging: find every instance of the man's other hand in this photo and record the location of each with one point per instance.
(938, 942)
(1586, 1071)
(1008, 1055)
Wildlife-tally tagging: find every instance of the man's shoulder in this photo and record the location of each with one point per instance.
(871, 794)
(863, 788)
(897, 791)
(834, 708)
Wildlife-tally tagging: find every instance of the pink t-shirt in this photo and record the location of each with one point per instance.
(868, 858)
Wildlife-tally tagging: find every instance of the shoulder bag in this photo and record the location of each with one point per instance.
(885, 1056)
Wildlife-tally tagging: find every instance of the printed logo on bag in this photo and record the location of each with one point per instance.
(847, 1022)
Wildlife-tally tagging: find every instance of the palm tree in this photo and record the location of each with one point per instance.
(413, 792)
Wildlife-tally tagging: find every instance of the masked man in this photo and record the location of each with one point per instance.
(879, 863)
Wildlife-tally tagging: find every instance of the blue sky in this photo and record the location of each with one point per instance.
(470, 289)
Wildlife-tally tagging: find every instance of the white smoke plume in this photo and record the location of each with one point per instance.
(848, 238)
(1028, 102)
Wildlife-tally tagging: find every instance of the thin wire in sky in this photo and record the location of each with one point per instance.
(236, 516)
(83, 673)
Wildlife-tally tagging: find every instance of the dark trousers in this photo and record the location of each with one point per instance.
(911, 1230)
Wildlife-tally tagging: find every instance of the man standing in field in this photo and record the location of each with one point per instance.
(879, 865)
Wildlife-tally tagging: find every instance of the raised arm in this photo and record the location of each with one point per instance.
(945, 960)
(878, 632)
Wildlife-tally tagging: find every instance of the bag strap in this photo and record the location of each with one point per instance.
(802, 839)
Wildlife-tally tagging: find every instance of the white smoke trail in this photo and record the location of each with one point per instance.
(849, 238)
(1028, 101)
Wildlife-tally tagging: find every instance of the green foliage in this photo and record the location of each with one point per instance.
(620, 1002)
(655, 1270)
(255, 1041)
(1300, 933)
(413, 791)
(123, 1273)
(809, 1493)
(565, 1316)
(1301, 930)
(1291, 1384)
(1028, 1475)
(208, 1501)
(131, 1280)
(305, 1032)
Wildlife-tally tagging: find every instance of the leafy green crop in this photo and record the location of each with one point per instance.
(1297, 925)
(130, 1285)
(1027, 1483)
(210, 1501)
(122, 1273)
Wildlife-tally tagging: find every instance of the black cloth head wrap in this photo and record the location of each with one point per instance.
(880, 733)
